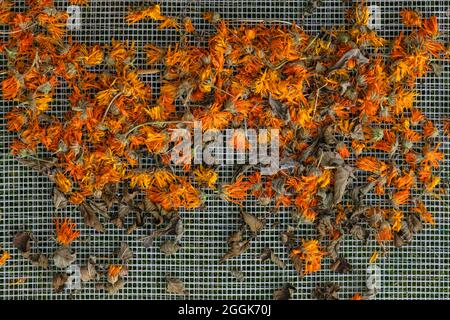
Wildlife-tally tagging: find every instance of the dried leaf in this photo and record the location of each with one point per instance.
(89, 272)
(169, 247)
(63, 257)
(341, 180)
(125, 253)
(341, 265)
(236, 249)
(298, 264)
(327, 292)
(172, 227)
(59, 199)
(253, 223)
(279, 109)
(238, 275)
(284, 293)
(176, 286)
(114, 288)
(22, 241)
(40, 260)
(59, 281)
(90, 217)
(268, 253)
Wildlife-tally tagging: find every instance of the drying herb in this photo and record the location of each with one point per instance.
(88, 272)
(344, 102)
(237, 246)
(59, 281)
(4, 256)
(268, 254)
(238, 275)
(284, 293)
(327, 292)
(176, 286)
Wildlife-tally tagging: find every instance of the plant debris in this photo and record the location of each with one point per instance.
(344, 101)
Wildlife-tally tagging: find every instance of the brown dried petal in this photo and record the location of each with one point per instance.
(175, 285)
(59, 281)
(22, 241)
(284, 293)
(63, 257)
(59, 199)
(253, 223)
(40, 260)
(169, 247)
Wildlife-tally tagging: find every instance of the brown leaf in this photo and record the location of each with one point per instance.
(268, 253)
(341, 180)
(63, 257)
(59, 199)
(59, 281)
(238, 275)
(112, 288)
(89, 272)
(341, 265)
(40, 260)
(253, 223)
(236, 249)
(90, 217)
(172, 227)
(169, 247)
(176, 286)
(298, 264)
(22, 241)
(284, 293)
(328, 292)
(124, 253)
(353, 53)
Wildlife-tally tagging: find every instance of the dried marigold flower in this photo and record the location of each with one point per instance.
(65, 231)
(311, 253)
(62, 182)
(4, 257)
(411, 18)
(10, 88)
(206, 176)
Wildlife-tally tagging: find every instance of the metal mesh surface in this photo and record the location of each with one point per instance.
(420, 270)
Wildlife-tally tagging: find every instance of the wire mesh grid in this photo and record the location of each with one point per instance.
(420, 270)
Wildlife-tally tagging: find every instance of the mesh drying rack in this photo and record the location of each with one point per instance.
(420, 270)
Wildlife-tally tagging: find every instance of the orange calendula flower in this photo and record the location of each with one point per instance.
(65, 231)
(384, 232)
(400, 197)
(153, 12)
(10, 88)
(188, 26)
(411, 18)
(343, 150)
(371, 164)
(430, 26)
(93, 56)
(426, 216)
(4, 257)
(357, 296)
(79, 2)
(63, 183)
(206, 176)
(431, 157)
(311, 253)
(236, 191)
(114, 270)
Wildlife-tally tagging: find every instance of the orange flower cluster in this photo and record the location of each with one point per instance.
(335, 98)
(65, 232)
(311, 254)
